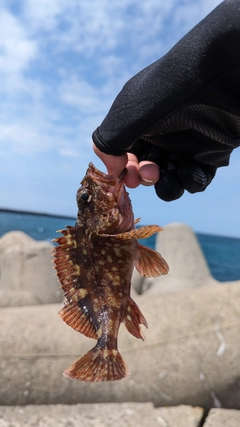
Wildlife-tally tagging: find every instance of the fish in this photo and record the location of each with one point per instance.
(94, 262)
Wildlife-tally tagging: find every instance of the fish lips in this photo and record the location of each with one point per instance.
(99, 177)
(115, 199)
(109, 183)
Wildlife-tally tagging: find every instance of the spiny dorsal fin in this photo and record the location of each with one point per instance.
(137, 220)
(65, 258)
(78, 311)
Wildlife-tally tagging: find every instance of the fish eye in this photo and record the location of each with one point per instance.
(86, 196)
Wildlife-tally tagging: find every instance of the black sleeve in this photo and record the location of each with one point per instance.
(186, 104)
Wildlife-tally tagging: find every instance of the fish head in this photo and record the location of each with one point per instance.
(103, 203)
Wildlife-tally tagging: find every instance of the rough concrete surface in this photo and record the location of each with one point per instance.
(188, 268)
(100, 415)
(219, 417)
(25, 265)
(190, 356)
(17, 298)
(115, 414)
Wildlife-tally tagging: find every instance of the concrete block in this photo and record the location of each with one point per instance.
(223, 418)
(17, 298)
(191, 354)
(188, 268)
(100, 415)
(25, 265)
(137, 281)
(179, 416)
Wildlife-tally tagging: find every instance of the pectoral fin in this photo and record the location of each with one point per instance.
(150, 263)
(138, 233)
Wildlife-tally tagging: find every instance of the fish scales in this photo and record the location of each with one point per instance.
(94, 263)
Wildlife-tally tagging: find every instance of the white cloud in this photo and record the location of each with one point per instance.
(42, 15)
(17, 53)
(25, 138)
(79, 93)
(189, 13)
(62, 63)
(68, 152)
(16, 49)
(96, 28)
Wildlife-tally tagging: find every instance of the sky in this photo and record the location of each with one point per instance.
(62, 63)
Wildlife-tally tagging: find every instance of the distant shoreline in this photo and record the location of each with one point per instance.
(17, 211)
(73, 218)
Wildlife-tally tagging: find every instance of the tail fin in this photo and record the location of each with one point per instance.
(98, 365)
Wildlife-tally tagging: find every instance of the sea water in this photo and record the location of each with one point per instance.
(222, 253)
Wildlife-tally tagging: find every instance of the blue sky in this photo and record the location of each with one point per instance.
(61, 65)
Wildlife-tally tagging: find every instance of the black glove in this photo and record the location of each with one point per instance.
(183, 111)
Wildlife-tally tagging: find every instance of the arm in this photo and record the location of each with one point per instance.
(183, 112)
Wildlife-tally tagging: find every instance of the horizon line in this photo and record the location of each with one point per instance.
(9, 210)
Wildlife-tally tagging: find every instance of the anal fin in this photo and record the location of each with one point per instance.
(133, 319)
(150, 263)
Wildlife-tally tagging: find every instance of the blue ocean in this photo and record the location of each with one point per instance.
(222, 253)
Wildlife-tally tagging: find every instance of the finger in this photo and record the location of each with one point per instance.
(168, 188)
(132, 178)
(114, 164)
(149, 172)
(195, 178)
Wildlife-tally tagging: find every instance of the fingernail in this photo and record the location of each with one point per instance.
(147, 181)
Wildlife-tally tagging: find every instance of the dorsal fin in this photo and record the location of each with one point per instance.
(78, 311)
(82, 320)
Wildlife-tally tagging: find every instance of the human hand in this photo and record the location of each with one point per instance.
(177, 120)
(144, 172)
(173, 181)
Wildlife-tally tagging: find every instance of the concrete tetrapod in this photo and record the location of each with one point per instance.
(25, 265)
(188, 268)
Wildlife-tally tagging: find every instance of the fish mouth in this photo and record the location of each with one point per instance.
(115, 188)
(109, 183)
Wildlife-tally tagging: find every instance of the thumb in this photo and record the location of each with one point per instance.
(114, 164)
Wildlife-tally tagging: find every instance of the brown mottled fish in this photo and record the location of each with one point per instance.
(94, 263)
